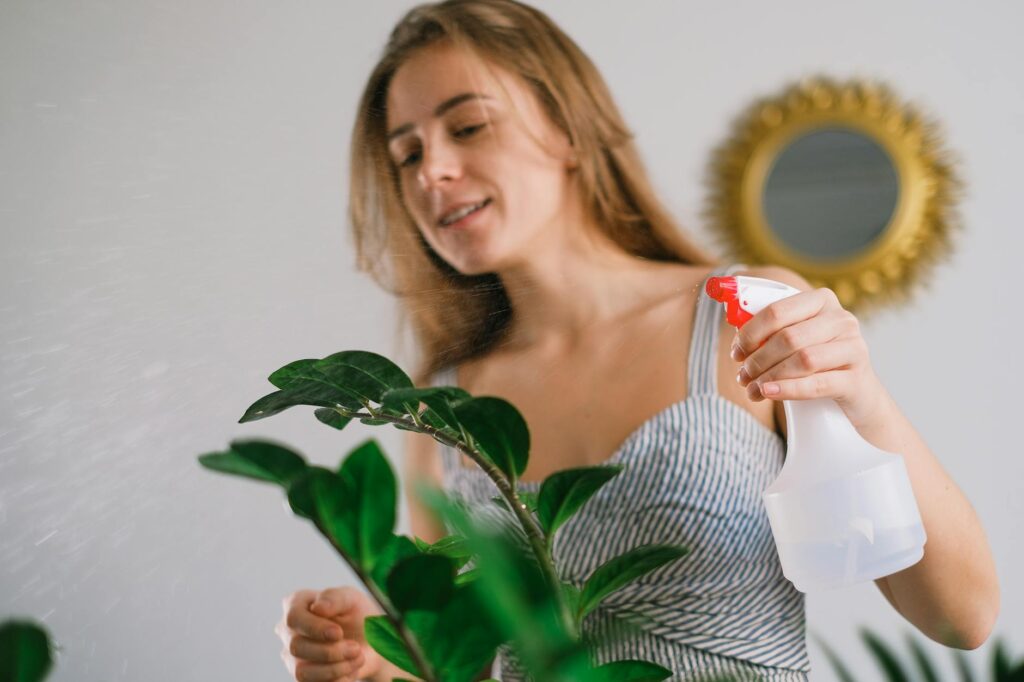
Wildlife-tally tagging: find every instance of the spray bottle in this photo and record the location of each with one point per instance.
(841, 510)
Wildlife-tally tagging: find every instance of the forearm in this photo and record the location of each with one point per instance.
(952, 594)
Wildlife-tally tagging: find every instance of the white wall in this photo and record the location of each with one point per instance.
(172, 202)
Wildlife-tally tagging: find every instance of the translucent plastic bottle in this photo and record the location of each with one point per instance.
(841, 510)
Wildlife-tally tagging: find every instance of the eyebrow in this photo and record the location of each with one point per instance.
(439, 111)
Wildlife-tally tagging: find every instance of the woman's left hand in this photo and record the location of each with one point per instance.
(808, 346)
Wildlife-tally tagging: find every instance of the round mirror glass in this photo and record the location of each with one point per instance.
(830, 193)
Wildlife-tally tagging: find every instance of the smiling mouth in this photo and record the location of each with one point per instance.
(461, 216)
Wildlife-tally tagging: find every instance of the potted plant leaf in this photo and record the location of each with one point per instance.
(439, 623)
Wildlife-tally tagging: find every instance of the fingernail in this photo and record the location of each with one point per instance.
(321, 605)
(742, 377)
(736, 354)
(332, 633)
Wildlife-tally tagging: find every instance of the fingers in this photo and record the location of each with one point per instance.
(314, 648)
(342, 651)
(835, 362)
(820, 385)
(789, 341)
(343, 671)
(330, 662)
(299, 620)
(334, 601)
(782, 314)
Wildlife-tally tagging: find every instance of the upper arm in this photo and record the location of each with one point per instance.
(422, 465)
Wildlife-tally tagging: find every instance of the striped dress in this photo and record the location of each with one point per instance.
(694, 475)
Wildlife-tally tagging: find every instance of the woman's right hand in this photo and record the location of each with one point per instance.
(323, 636)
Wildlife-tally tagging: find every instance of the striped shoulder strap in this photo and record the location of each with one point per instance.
(702, 372)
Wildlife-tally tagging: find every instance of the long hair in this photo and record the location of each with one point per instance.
(456, 317)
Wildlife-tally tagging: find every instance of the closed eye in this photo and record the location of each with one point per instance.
(461, 133)
(468, 130)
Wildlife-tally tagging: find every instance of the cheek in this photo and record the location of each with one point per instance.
(416, 204)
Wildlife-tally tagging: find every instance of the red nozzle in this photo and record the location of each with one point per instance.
(722, 289)
(726, 290)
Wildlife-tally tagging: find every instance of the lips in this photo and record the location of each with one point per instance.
(455, 214)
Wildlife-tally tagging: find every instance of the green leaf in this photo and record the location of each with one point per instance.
(519, 602)
(467, 577)
(373, 496)
(884, 656)
(621, 570)
(842, 672)
(382, 636)
(424, 583)
(499, 431)
(24, 652)
(437, 398)
(363, 374)
(332, 417)
(431, 418)
(467, 640)
(278, 401)
(629, 671)
(452, 546)
(337, 514)
(336, 381)
(564, 492)
(1017, 674)
(256, 459)
(924, 664)
(1000, 663)
(572, 596)
(299, 369)
(399, 547)
(300, 493)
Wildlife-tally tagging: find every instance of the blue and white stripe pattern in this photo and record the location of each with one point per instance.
(694, 475)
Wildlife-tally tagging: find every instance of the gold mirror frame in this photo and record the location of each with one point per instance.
(918, 234)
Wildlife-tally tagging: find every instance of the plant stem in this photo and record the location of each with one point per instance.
(533, 531)
(412, 645)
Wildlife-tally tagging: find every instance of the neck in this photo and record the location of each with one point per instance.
(564, 291)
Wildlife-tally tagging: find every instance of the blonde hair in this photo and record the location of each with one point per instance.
(455, 317)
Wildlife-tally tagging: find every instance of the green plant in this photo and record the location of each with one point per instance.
(25, 652)
(1002, 669)
(439, 624)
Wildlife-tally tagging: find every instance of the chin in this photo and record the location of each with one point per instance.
(478, 261)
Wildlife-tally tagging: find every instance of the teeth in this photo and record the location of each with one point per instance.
(462, 213)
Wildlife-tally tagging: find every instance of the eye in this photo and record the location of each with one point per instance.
(468, 130)
(461, 133)
(407, 160)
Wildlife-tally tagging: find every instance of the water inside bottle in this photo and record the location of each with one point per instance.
(853, 559)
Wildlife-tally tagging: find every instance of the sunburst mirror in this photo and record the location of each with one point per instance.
(841, 182)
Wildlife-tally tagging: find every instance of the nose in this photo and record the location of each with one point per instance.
(440, 162)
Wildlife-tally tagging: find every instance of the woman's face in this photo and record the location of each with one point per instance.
(458, 141)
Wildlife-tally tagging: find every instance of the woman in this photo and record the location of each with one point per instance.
(492, 168)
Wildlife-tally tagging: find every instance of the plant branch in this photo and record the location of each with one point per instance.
(534, 534)
(412, 645)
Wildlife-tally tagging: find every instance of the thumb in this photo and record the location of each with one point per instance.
(331, 602)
